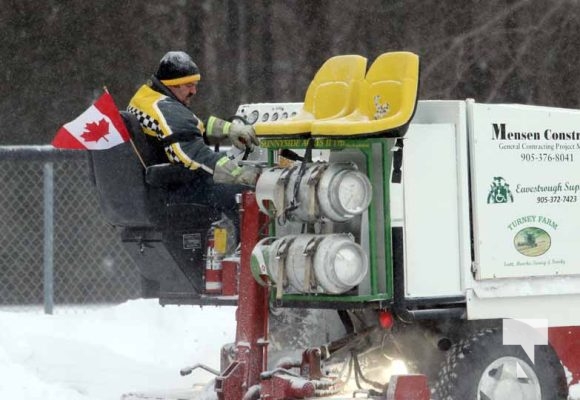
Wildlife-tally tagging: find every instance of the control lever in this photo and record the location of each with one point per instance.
(291, 155)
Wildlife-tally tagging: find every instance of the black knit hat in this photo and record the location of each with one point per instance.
(177, 68)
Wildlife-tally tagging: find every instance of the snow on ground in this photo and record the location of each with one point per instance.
(101, 353)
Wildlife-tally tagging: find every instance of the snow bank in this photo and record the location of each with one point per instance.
(103, 353)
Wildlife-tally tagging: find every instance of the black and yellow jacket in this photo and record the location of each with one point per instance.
(178, 129)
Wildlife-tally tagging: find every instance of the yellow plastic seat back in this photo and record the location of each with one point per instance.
(331, 94)
(387, 100)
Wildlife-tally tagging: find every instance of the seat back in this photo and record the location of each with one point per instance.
(332, 92)
(387, 100)
(119, 177)
(390, 90)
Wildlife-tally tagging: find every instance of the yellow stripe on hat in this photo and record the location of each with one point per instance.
(181, 81)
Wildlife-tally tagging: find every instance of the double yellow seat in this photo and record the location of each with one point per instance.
(331, 94)
(386, 103)
(342, 102)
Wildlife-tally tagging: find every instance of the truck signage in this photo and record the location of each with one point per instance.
(525, 190)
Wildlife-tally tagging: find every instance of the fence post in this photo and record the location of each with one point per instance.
(48, 254)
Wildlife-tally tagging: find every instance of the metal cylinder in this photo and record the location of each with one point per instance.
(336, 192)
(343, 192)
(316, 263)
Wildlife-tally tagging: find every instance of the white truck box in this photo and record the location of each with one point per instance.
(508, 177)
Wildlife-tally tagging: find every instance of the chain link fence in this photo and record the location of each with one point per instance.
(82, 254)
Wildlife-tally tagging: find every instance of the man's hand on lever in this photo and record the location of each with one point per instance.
(241, 136)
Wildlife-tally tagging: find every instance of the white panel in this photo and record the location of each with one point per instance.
(561, 310)
(526, 190)
(454, 111)
(430, 185)
(268, 112)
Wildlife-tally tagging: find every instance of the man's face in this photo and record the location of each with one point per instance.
(184, 93)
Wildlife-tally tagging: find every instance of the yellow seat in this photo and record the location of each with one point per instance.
(387, 100)
(331, 94)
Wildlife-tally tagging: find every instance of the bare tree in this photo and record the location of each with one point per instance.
(63, 52)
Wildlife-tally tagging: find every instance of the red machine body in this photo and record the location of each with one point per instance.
(247, 376)
(252, 314)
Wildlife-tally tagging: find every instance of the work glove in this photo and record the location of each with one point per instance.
(219, 131)
(228, 171)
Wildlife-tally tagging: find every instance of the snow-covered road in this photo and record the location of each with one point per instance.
(100, 353)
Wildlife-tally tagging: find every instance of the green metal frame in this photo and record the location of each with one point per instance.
(365, 145)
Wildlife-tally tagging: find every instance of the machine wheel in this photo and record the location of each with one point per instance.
(482, 368)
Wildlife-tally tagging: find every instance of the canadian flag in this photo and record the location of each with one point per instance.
(100, 127)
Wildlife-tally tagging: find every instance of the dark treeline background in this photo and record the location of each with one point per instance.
(56, 55)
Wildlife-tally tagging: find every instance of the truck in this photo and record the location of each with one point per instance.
(441, 233)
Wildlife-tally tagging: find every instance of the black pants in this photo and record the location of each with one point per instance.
(221, 197)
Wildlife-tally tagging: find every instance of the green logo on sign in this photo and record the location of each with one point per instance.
(532, 241)
(499, 192)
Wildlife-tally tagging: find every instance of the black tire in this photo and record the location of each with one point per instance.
(468, 359)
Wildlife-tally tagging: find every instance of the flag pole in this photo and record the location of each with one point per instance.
(131, 140)
(138, 154)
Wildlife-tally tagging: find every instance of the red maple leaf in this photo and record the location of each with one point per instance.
(95, 131)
